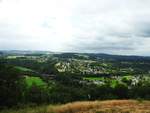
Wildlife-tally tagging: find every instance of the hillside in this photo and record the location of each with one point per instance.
(43, 78)
(109, 106)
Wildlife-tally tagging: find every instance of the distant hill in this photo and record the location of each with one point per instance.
(101, 56)
(26, 52)
(77, 55)
(1, 53)
(118, 57)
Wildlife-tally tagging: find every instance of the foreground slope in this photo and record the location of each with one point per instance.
(112, 106)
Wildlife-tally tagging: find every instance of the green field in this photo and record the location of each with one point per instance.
(34, 80)
(128, 77)
(14, 56)
(94, 78)
(23, 68)
(112, 82)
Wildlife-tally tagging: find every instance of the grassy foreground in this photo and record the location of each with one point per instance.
(109, 106)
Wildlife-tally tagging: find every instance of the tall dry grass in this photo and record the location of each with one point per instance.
(110, 106)
(113, 106)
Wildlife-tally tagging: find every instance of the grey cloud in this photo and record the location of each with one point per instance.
(143, 29)
(109, 26)
(102, 45)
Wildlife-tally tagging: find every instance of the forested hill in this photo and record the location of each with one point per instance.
(102, 56)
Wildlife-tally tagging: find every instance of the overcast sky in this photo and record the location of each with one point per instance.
(101, 26)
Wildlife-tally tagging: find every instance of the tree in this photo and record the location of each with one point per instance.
(121, 90)
(9, 86)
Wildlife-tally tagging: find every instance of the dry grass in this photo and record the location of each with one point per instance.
(110, 106)
(113, 106)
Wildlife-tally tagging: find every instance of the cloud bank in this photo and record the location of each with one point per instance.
(101, 26)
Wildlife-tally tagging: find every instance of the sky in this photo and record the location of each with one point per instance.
(94, 26)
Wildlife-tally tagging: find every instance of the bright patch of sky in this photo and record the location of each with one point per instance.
(101, 26)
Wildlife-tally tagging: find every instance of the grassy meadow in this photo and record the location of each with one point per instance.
(34, 80)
